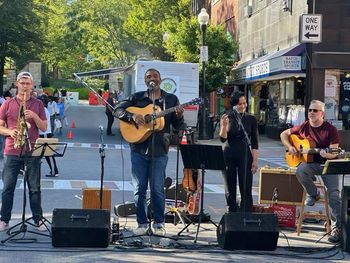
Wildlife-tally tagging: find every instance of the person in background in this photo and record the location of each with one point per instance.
(52, 108)
(34, 114)
(241, 158)
(60, 116)
(48, 134)
(325, 135)
(148, 164)
(109, 112)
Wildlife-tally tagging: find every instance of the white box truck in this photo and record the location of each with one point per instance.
(181, 79)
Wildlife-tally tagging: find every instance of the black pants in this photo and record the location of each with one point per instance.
(55, 169)
(110, 120)
(235, 159)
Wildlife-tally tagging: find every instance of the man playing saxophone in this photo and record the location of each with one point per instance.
(21, 116)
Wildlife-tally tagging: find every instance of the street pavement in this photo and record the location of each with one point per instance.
(81, 166)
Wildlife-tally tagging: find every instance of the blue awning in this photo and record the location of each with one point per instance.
(286, 62)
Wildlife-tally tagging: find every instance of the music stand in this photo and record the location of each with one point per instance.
(337, 166)
(49, 147)
(204, 157)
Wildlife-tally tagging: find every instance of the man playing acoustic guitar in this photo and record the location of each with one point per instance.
(324, 135)
(149, 160)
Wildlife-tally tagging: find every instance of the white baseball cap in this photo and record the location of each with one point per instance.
(24, 74)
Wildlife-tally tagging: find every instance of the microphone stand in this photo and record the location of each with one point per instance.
(248, 143)
(102, 156)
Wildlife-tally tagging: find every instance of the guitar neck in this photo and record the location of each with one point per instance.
(170, 110)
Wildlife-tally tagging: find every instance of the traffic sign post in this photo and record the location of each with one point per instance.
(310, 28)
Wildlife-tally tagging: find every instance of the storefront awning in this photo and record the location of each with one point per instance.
(281, 64)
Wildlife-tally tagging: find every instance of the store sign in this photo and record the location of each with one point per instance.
(258, 70)
(291, 63)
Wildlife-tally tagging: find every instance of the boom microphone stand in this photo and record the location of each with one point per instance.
(27, 149)
(248, 145)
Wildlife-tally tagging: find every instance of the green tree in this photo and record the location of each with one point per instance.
(20, 38)
(184, 44)
(149, 20)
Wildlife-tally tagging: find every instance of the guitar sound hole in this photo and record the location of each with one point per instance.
(148, 118)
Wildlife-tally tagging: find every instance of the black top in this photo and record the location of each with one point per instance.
(235, 134)
(111, 102)
(162, 138)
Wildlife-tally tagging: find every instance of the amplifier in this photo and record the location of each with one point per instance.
(282, 183)
(91, 198)
(80, 228)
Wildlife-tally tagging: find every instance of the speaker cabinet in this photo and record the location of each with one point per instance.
(248, 231)
(346, 218)
(80, 228)
(91, 198)
(284, 181)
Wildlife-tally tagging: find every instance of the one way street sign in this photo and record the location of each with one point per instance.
(310, 28)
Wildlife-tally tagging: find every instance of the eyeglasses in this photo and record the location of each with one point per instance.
(314, 110)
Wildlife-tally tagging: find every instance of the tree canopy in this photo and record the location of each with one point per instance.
(63, 34)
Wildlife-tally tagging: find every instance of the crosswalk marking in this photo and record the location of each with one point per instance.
(57, 184)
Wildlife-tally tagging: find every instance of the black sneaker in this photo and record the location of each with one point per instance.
(52, 175)
(335, 235)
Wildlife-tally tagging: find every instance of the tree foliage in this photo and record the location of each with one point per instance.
(184, 45)
(63, 33)
(20, 35)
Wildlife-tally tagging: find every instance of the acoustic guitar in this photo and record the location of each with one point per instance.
(194, 198)
(306, 149)
(134, 133)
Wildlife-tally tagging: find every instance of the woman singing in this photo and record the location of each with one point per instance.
(240, 132)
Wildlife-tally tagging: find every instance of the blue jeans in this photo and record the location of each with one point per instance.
(12, 167)
(305, 174)
(141, 174)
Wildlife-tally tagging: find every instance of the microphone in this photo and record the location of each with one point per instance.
(152, 85)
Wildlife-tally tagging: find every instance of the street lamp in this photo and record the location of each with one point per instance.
(203, 19)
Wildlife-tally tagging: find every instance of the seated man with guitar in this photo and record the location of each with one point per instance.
(148, 133)
(323, 135)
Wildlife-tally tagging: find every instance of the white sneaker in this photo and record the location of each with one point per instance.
(3, 226)
(41, 226)
(159, 231)
(140, 231)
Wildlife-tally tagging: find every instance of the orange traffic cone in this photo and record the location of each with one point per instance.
(73, 124)
(184, 139)
(70, 135)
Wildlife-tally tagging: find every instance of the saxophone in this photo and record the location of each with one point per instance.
(21, 124)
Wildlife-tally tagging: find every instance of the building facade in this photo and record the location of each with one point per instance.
(281, 75)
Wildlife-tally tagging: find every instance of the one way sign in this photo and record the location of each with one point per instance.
(310, 28)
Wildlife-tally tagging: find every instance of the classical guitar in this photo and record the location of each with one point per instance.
(306, 149)
(134, 133)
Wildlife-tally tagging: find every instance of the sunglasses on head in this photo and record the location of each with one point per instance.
(314, 110)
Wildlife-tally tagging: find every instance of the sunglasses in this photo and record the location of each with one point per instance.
(314, 110)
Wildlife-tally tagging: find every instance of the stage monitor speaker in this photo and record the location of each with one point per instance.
(248, 231)
(346, 218)
(80, 228)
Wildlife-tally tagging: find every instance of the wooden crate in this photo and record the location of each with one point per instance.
(289, 190)
(91, 198)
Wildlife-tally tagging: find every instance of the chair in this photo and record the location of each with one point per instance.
(321, 216)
